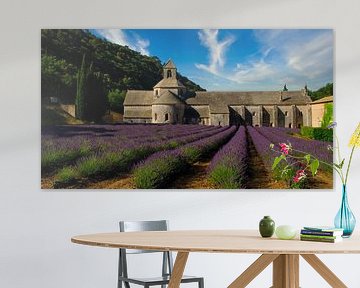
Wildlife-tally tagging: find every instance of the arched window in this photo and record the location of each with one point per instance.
(254, 114)
(157, 92)
(155, 117)
(286, 113)
(166, 117)
(290, 125)
(169, 74)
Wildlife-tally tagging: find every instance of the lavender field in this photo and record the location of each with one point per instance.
(170, 156)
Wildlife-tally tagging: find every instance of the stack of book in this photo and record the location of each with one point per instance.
(321, 234)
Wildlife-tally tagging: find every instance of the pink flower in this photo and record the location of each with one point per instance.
(300, 175)
(284, 148)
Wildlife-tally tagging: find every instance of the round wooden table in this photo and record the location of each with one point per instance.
(284, 254)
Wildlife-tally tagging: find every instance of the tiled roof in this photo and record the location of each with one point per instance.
(138, 97)
(168, 98)
(324, 100)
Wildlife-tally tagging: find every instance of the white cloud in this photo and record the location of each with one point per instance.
(295, 57)
(313, 58)
(306, 55)
(254, 71)
(142, 45)
(118, 36)
(217, 49)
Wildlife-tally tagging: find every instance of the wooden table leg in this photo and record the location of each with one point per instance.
(253, 270)
(178, 269)
(324, 271)
(286, 271)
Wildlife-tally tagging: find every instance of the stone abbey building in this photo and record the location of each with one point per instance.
(169, 102)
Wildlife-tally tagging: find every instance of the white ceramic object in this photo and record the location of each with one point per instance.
(286, 232)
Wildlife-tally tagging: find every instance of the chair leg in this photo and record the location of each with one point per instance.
(201, 283)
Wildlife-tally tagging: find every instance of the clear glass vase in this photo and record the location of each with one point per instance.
(345, 219)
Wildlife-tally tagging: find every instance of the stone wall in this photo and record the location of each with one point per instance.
(219, 119)
(168, 113)
(70, 109)
(317, 111)
(137, 114)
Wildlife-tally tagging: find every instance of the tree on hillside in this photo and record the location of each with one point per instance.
(327, 90)
(96, 100)
(124, 69)
(116, 99)
(80, 101)
(91, 102)
(58, 79)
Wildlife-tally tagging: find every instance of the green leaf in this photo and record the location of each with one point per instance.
(308, 158)
(342, 163)
(277, 160)
(314, 166)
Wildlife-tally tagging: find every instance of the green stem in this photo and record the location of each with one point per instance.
(348, 167)
(339, 171)
(338, 149)
(351, 156)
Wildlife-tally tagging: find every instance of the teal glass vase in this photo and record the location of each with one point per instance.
(345, 219)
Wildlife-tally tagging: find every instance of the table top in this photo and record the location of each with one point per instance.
(217, 241)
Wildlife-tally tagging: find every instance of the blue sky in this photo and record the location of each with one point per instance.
(238, 59)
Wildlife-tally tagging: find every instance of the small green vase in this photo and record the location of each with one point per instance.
(267, 227)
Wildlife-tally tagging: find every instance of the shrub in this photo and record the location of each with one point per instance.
(226, 177)
(328, 115)
(54, 159)
(192, 154)
(66, 176)
(317, 133)
(228, 168)
(104, 165)
(159, 170)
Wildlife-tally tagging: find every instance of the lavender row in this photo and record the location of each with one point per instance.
(63, 151)
(317, 148)
(262, 147)
(106, 164)
(161, 168)
(68, 137)
(228, 167)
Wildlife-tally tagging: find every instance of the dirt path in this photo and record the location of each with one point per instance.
(47, 183)
(323, 180)
(258, 176)
(124, 181)
(194, 178)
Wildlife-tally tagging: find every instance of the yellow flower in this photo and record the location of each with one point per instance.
(355, 138)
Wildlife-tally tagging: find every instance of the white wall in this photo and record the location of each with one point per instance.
(36, 226)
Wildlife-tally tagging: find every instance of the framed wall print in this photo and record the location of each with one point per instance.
(187, 108)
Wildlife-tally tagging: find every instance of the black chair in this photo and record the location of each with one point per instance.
(167, 265)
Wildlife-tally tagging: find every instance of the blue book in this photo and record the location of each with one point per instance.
(322, 231)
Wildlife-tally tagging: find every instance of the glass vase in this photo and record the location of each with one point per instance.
(345, 219)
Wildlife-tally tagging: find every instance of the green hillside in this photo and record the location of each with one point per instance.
(62, 51)
(322, 92)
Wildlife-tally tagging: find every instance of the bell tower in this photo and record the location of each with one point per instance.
(169, 70)
(169, 81)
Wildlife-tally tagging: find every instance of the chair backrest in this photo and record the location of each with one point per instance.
(138, 226)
